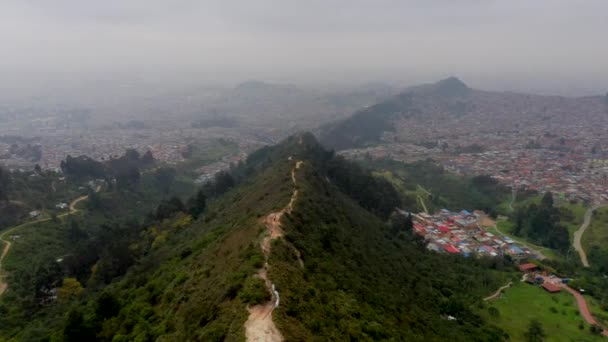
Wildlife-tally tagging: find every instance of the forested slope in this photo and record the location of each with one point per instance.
(364, 277)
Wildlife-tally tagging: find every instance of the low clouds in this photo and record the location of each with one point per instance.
(512, 41)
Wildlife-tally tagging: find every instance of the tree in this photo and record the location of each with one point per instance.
(167, 209)
(71, 289)
(197, 204)
(132, 155)
(75, 234)
(82, 167)
(401, 223)
(547, 201)
(494, 312)
(76, 329)
(106, 306)
(223, 182)
(127, 175)
(94, 201)
(596, 329)
(4, 183)
(535, 332)
(165, 177)
(148, 159)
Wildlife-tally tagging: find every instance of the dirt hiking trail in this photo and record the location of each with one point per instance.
(259, 326)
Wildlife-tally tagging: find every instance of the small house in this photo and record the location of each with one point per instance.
(528, 267)
(551, 288)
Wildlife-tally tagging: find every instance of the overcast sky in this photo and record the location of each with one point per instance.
(542, 45)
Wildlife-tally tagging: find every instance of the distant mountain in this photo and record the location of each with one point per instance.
(451, 102)
(299, 248)
(291, 108)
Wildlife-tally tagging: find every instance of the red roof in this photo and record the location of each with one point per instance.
(444, 229)
(527, 267)
(420, 230)
(451, 249)
(551, 287)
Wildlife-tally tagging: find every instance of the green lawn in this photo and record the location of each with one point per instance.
(557, 313)
(578, 210)
(507, 226)
(597, 232)
(503, 207)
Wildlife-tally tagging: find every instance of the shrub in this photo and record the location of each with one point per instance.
(254, 291)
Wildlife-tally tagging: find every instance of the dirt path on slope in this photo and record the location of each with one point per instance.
(578, 235)
(536, 251)
(513, 195)
(259, 325)
(8, 244)
(498, 292)
(583, 308)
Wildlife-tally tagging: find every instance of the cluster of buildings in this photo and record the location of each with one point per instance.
(533, 274)
(570, 165)
(207, 172)
(166, 144)
(461, 233)
(569, 175)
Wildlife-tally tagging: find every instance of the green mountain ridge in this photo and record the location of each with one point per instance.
(368, 124)
(451, 101)
(363, 278)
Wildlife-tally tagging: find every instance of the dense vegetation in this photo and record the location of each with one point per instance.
(185, 272)
(360, 281)
(24, 191)
(428, 182)
(541, 223)
(367, 125)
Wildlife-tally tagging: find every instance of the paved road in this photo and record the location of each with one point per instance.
(578, 235)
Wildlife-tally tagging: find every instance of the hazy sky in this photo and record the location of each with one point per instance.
(542, 45)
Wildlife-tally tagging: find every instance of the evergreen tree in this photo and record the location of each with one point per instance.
(547, 201)
(76, 330)
(165, 177)
(535, 332)
(197, 204)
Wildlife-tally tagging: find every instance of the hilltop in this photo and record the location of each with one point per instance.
(296, 220)
(426, 112)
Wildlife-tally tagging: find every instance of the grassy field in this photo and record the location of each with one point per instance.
(507, 226)
(578, 210)
(597, 232)
(557, 313)
(208, 152)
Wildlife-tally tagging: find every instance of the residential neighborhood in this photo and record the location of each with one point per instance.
(462, 233)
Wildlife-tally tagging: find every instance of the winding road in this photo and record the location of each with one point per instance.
(578, 235)
(541, 256)
(8, 244)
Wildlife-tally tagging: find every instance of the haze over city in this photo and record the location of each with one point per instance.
(549, 47)
(323, 170)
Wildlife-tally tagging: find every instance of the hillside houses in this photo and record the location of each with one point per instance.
(460, 233)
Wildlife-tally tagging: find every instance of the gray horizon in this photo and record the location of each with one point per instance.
(551, 47)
